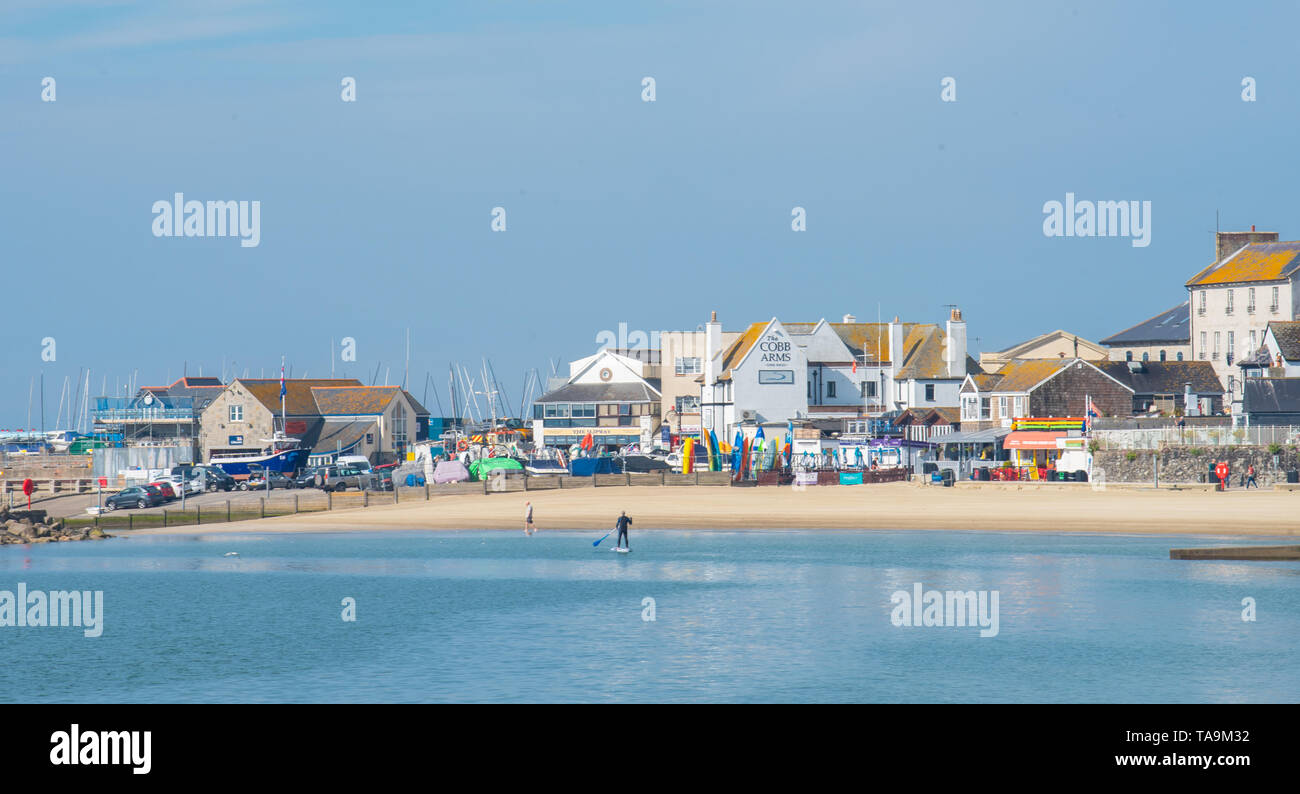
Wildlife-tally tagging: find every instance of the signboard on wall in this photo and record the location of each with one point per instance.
(235, 441)
(777, 376)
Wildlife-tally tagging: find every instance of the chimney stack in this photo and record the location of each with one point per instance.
(895, 344)
(712, 345)
(956, 348)
(1228, 243)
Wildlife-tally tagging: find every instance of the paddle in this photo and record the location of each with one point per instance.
(607, 534)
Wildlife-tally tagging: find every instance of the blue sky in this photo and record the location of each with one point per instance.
(376, 214)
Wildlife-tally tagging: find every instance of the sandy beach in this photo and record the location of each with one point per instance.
(892, 506)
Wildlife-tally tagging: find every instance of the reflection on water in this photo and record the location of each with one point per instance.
(740, 616)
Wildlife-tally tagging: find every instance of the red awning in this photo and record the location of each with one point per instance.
(1032, 439)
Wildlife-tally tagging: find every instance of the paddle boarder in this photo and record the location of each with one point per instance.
(622, 524)
(529, 527)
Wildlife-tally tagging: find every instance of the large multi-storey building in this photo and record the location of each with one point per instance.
(1251, 283)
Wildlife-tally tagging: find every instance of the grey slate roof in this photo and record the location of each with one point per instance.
(1287, 335)
(1173, 326)
(1272, 395)
(599, 392)
(1165, 377)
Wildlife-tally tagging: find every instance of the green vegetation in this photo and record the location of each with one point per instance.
(1131, 456)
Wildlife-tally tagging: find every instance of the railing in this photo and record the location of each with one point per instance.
(1155, 438)
(112, 415)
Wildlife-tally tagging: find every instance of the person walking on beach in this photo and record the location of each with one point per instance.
(622, 524)
(1250, 477)
(529, 526)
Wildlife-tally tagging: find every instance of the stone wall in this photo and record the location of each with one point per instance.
(1179, 464)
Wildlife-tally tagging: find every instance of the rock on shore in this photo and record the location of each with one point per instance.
(34, 526)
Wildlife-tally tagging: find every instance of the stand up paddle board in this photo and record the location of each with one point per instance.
(621, 551)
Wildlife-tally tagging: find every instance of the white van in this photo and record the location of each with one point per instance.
(354, 462)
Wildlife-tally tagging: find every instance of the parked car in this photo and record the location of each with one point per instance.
(140, 496)
(341, 478)
(263, 479)
(305, 478)
(192, 485)
(167, 489)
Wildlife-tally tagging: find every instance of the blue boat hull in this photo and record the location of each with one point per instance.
(287, 461)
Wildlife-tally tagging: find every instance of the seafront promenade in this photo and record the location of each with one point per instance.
(1043, 508)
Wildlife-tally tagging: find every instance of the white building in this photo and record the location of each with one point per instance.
(775, 373)
(606, 396)
(1251, 283)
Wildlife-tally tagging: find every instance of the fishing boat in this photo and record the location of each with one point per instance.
(282, 454)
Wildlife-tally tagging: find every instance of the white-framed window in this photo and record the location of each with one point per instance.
(687, 365)
(986, 408)
(1002, 407)
(1250, 301)
(1228, 308)
(1214, 354)
(687, 403)
(1274, 306)
(236, 413)
(1201, 309)
(970, 407)
(1020, 406)
(929, 392)
(1232, 343)
(1202, 342)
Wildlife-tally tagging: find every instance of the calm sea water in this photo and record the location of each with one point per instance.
(739, 616)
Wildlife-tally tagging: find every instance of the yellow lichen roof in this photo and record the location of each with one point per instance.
(733, 354)
(1255, 262)
(1024, 373)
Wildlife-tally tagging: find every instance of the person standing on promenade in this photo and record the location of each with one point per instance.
(529, 527)
(1250, 477)
(622, 525)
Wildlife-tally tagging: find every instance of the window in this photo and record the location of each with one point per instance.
(1232, 346)
(1273, 307)
(1162, 356)
(1250, 301)
(399, 426)
(1146, 357)
(986, 407)
(1228, 308)
(1252, 342)
(1180, 355)
(929, 392)
(1202, 345)
(830, 388)
(1201, 308)
(969, 407)
(1020, 406)
(810, 394)
(868, 388)
(1002, 407)
(1215, 354)
(625, 409)
(687, 366)
(1128, 355)
(688, 404)
(236, 413)
(589, 409)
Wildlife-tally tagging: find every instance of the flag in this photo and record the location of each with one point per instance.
(282, 390)
(855, 366)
